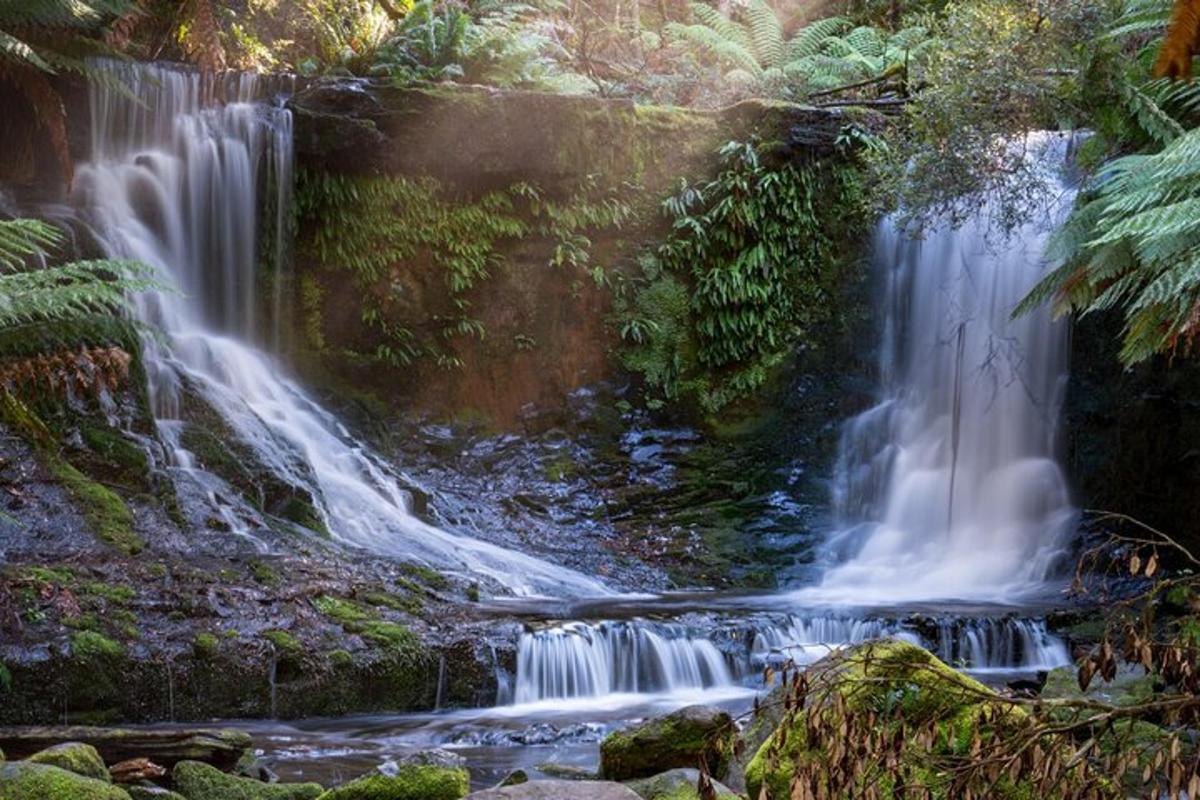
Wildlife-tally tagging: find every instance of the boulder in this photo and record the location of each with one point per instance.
(558, 790)
(880, 675)
(143, 792)
(440, 777)
(199, 781)
(221, 747)
(684, 738)
(135, 770)
(77, 757)
(676, 784)
(20, 780)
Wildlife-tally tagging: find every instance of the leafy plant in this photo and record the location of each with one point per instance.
(824, 54)
(1133, 241)
(52, 307)
(745, 273)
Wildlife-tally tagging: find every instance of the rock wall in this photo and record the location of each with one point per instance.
(544, 324)
(1133, 435)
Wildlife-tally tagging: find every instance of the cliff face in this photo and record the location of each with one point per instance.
(561, 193)
(1133, 435)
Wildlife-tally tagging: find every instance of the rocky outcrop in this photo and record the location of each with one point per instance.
(688, 737)
(82, 745)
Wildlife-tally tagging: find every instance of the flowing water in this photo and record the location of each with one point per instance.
(180, 169)
(949, 487)
(946, 489)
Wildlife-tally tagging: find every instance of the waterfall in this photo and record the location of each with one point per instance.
(580, 660)
(948, 488)
(191, 175)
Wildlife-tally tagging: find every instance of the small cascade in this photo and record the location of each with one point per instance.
(1004, 644)
(193, 175)
(806, 640)
(581, 660)
(577, 659)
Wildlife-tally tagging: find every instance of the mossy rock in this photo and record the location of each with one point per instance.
(915, 687)
(152, 793)
(409, 782)
(21, 780)
(684, 738)
(198, 781)
(1132, 686)
(676, 784)
(82, 759)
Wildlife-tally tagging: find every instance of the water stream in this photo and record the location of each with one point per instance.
(180, 168)
(948, 488)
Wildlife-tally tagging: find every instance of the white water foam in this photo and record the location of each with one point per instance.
(949, 487)
(176, 180)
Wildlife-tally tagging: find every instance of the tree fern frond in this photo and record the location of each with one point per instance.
(766, 32)
(808, 40)
(22, 238)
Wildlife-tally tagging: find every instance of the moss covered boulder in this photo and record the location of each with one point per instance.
(21, 780)
(77, 757)
(892, 690)
(406, 782)
(152, 793)
(684, 738)
(558, 790)
(197, 781)
(676, 784)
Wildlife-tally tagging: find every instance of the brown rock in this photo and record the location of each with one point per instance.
(132, 770)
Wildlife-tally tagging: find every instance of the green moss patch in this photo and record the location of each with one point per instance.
(198, 781)
(411, 782)
(105, 511)
(21, 780)
(77, 757)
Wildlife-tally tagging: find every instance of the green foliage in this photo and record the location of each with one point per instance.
(95, 647)
(205, 645)
(745, 274)
(1133, 242)
(61, 306)
(372, 226)
(825, 54)
(341, 610)
(998, 71)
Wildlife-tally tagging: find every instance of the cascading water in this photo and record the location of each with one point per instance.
(178, 166)
(579, 660)
(949, 488)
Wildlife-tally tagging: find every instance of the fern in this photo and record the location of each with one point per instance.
(824, 54)
(1134, 243)
(81, 302)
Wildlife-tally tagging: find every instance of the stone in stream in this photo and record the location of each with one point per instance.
(683, 738)
(197, 781)
(558, 790)
(148, 792)
(425, 775)
(21, 780)
(77, 757)
(220, 747)
(135, 770)
(676, 784)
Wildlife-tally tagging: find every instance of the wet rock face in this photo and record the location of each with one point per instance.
(686, 738)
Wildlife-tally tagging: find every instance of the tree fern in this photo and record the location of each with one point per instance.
(81, 302)
(822, 55)
(1134, 243)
